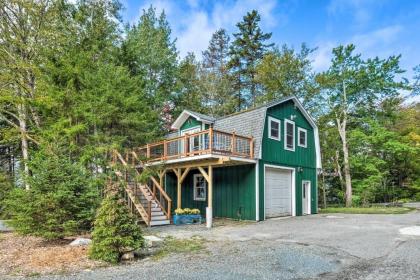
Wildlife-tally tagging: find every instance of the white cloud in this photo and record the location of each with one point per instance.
(193, 25)
(322, 56)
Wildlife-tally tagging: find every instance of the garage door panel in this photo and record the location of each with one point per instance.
(278, 186)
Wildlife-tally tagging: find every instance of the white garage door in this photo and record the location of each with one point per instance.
(278, 192)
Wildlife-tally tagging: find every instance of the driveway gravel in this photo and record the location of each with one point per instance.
(310, 247)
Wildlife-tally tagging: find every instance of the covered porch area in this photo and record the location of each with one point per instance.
(218, 186)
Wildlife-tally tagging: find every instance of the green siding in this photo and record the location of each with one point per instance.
(273, 153)
(307, 174)
(233, 191)
(190, 122)
(273, 150)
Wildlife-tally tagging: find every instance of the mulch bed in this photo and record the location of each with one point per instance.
(27, 255)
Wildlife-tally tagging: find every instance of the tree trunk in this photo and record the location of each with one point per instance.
(347, 176)
(24, 140)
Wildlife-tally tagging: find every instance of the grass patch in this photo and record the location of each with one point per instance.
(177, 246)
(366, 210)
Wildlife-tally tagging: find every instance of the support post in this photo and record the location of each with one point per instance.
(179, 184)
(209, 210)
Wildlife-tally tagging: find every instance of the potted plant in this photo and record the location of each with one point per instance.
(187, 216)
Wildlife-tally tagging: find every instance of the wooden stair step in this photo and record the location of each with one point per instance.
(159, 218)
(159, 223)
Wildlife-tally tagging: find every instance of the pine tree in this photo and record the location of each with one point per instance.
(246, 51)
(61, 201)
(151, 55)
(115, 231)
(188, 92)
(215, 79)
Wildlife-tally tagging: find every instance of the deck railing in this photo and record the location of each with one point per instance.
(208, 141)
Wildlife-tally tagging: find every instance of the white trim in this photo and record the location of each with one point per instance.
(286, 121)
(184, 116)
(308, 118)
(300, 129)
(309, 194)
(257, 191)
(194, 188)
(272, 119)
(293, 185)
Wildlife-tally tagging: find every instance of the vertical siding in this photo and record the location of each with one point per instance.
(189, 123)
(273, 153)
(273, 150)
(233, 192)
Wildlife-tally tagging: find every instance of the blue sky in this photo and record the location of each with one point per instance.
(377, 27)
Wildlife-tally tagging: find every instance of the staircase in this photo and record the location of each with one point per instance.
(153, 207)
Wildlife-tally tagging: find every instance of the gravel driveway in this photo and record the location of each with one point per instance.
(313, 247)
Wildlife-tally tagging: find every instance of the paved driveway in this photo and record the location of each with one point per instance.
(312, 247)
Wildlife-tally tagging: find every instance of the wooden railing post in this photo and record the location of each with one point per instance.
(251, 148)
(233, 143)
(149, 213)
(186, 144)
(211, 139)
(165, 150)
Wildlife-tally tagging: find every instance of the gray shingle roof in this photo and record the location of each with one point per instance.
(247, 123)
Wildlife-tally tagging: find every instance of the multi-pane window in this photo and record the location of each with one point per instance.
(200, 187)
(289, 135)
(302, 136)
(274, 128)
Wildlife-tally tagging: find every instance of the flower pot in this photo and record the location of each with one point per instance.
(187, 219)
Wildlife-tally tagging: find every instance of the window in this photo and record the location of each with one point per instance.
(289, 135)
(200, 187)
(302, 137)
(274, 128)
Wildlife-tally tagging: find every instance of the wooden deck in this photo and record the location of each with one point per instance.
(205, 142)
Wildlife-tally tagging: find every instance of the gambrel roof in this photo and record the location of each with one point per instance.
(250, 123)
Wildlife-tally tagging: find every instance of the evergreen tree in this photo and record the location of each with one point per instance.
(151, 55)
(115, 230)
(215, 79)
(61, 201)
(188, 93)
(416, 86)
(246, 51)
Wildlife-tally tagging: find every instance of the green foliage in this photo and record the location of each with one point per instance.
(115, 231)
(285, 72)
(246, 51)
(61, 201)
(6, 187)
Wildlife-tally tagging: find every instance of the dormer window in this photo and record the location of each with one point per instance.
(274, 128)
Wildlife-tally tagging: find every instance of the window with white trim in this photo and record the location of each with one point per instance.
(289, 135)
(302, 137)
(273, 128)
(200, 187)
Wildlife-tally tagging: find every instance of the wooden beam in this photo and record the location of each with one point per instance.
(184, 175)
(179, 185)
(205, 175)
(210, 187)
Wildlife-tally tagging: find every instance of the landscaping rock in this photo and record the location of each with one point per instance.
(80, 242)
(152, 241)
(4, 227)
(415, 231)
(128, 256)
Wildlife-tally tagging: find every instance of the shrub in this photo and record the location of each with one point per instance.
(187, 211)
(179, 211)
(115, 231)
(6, 187)
(61, 201)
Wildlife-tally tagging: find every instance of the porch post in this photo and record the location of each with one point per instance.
(179, 183)
(209, 210)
